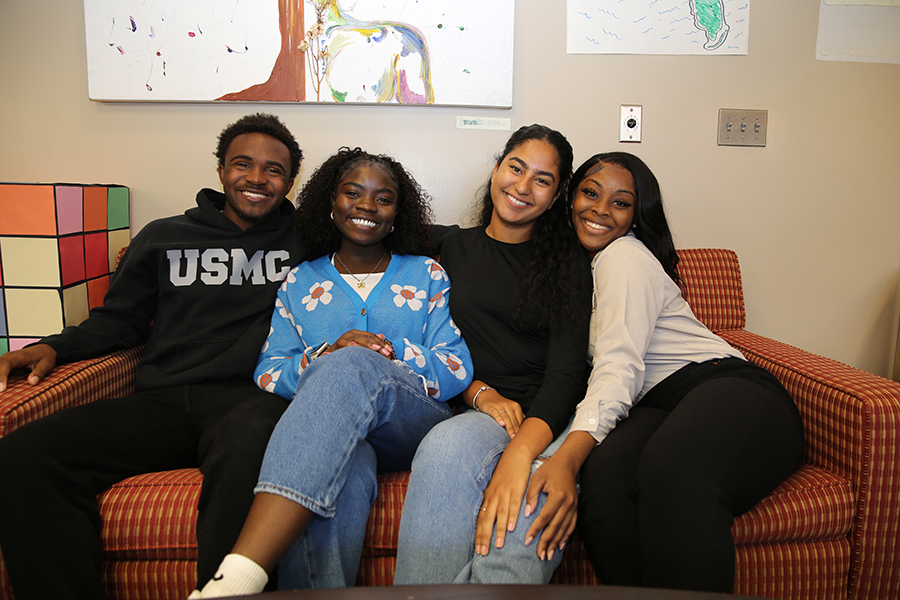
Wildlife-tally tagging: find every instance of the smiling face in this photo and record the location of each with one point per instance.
(255, 178)
(603, 206)
(364, 203)
(524, 185)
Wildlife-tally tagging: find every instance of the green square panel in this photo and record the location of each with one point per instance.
(117, 208)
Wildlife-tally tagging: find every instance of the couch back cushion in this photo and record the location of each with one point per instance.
(711, 283)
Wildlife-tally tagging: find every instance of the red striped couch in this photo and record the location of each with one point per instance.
(831, 531)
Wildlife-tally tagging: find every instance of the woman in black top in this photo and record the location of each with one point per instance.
(521, 297)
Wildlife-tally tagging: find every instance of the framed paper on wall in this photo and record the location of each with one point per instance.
(331, 51)
(698, 27)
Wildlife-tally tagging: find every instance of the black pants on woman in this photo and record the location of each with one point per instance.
(660, 493)
(52, 470)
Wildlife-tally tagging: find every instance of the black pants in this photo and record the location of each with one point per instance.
(52, 470)
(660, 493)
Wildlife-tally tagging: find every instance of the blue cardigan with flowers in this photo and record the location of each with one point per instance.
(409, 306)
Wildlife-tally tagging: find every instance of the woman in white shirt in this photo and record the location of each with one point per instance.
(678, 433)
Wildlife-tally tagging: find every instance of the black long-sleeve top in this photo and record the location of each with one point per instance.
(542, 372)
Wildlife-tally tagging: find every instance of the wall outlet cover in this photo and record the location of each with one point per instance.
(630, 123)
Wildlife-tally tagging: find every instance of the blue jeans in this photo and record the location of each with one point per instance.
(450, 472)
(354, 409)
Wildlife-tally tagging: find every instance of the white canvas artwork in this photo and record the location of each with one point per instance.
(335, 51)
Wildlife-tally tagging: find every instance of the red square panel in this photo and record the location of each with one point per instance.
(96, 259)
(71, 259)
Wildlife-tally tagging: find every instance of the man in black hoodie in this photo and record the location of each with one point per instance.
(206, 281)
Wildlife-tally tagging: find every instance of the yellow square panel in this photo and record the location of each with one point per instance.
(30, 262)
(33, 313)
(75, 304)
(118, 239)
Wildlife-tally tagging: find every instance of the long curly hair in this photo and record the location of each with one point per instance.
(651, 225)
(412, 232)
(554, 290)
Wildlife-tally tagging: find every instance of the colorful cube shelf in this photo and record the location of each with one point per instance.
(58, 246)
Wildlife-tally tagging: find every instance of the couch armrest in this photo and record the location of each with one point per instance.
(852, 423)
(71, 384)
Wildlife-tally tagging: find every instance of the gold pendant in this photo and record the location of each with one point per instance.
(361, 285)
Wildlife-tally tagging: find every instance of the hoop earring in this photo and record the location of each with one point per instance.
(332, 215)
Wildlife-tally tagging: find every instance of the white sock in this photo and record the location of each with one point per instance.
(236, 576)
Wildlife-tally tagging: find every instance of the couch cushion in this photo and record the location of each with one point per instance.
(152, 516)
(711, 284)
(812, 504)
(778, 533)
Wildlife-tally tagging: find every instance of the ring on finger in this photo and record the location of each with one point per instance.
(501, 412)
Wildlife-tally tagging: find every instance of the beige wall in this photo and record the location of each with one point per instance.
(814, 216)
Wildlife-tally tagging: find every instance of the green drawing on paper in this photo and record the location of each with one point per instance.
(709, 17)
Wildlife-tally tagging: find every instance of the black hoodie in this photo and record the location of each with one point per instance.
(207, 286)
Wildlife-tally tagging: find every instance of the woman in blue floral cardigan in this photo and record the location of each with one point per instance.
(363, 344)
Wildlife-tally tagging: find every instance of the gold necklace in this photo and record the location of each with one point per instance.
(360, 283)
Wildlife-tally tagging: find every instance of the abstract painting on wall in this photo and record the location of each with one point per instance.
(333, 51)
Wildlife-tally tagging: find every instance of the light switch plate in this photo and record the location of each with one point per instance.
(739, 127)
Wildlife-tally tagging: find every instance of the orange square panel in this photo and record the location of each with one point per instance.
(96, 291)
(95, 207)
(27, 210)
